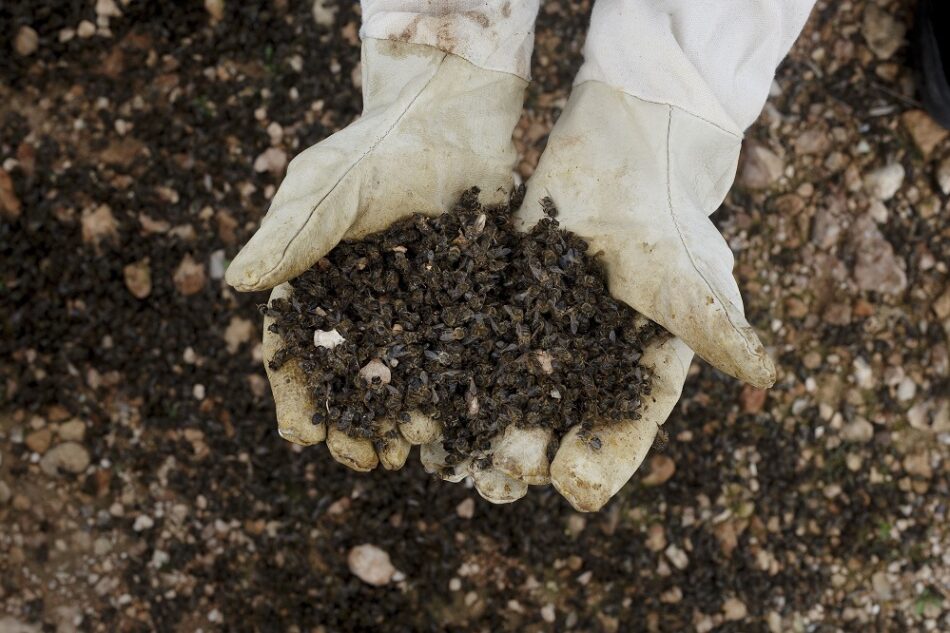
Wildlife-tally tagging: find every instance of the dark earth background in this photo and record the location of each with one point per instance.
(143, 486)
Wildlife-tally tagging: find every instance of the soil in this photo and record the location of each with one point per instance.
(469, 321)
(820, 505)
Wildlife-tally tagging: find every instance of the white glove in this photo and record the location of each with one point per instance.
(644, 152)
(442, 92)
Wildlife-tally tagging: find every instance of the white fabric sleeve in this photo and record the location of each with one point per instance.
(713, 58)
(492, 34)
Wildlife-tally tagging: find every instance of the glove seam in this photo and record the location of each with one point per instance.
(718, 126)
(679, 232)
(349, 169)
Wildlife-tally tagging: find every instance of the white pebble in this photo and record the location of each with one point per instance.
(328, 339)
(26, 41)
(376, 369)
(371, 565)
(143, 522)
(86, 29)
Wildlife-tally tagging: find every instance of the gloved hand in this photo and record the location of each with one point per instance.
(433, 125)
(645, 150)
(585, 473)
(442, 91)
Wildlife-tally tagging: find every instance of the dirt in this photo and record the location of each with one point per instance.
(818, 506)
(469, 321)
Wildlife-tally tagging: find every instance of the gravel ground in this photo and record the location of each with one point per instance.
(143, 486)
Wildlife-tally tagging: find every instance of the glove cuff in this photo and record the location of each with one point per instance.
(715, 60)
(491, 34)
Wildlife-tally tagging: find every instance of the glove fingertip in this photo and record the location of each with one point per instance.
(355, 453)
(498, 488)
(752, 362)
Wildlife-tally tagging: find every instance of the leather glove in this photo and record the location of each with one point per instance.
(443, 89)
(645, 150)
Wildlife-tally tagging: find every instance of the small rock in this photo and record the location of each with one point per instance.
(943, 175)
(704, 623)
(906, 389)
(72, 431)
(102, 546)
(227, 226)
(674, 595)
(324, 12)
(69, 457)
(725, 533)
(466, 509)
(9, 203)
(273, 160)
(86, 29)
(837, 314)
(858, 430)
(760, 166)
(863, 373)
(878, 211)
(548, 614)
(826, 228)
(919, 465)
(831, 491)
(656, 538)
(941, 306)
(39, 441)
(98, 225)
(734, 609)
(752, 399)
(677, 556)
(107, 9)
(190, 276)
(376, 369)
(576, 524)
(917, 417)
(371, 565)
(215, 9)
(122, 153)
(143, 522)
(661, 469)
(238, 332)
(275, 132)
(881, 585)
(216, 264)
(812, 141)
(26, 41)
(812, 360)
(327, 338)
(5, 492)
(854, 462)
(882, 31)
(138, 278)
(107, 586)
(884, 182)
(877, 267)
(926, 132)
